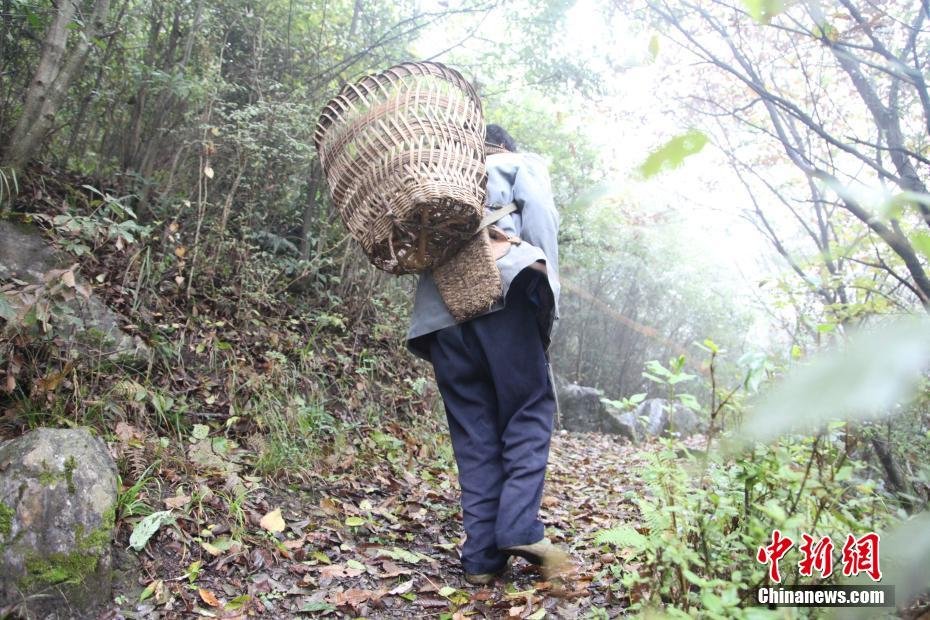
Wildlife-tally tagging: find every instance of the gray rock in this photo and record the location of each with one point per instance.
(683, 422)
(625, 424)
(57, 513)
(581, 410)
(26, 256)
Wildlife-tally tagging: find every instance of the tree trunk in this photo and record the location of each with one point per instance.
(310, 209)
(57, 68)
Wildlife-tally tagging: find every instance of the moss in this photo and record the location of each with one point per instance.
(59, 568)
(70, 465)
(6, 520)
(98, 539)
(48, 477)
(72, 568)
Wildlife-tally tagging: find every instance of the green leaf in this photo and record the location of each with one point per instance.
(321, 607)
(904, 552)
(403, 555)
(921, 241)
(193, 571)
(694, 578)
(356, 565)
(689, 401)
(654, 46)
(147, 527)
(711, 602)
(653, 378)
(876, 371)
(673, 153)
(6, 310)
(148, 591)
(355, 521)
(200, 431)
(622, 536)
(238, 602)
(446, 591)
(680, 377)
(764, 10)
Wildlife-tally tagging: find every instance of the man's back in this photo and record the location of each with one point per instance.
(520, 178)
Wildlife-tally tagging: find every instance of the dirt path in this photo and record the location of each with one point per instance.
(378, 540)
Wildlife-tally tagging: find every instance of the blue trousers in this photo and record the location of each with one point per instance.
(493, 375)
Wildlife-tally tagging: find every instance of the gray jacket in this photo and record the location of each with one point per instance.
(521, 178)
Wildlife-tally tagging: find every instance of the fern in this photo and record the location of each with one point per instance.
(624, 537)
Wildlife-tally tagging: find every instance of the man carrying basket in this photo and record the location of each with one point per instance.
(411, 168)
(493, 370)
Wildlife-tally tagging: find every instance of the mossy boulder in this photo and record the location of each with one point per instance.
(87, 323)
(57, 511)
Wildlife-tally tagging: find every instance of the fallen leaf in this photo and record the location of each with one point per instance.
(145, 528)
(402, 588)
(354, 597)
(127, 432)
(208, 597)
(177, 501)
(273, 521)
(390, 569)
(211, 549)
(329, 506)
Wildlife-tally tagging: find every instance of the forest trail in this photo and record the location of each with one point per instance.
(378, 540)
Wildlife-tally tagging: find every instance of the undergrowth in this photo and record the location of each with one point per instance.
(258, 346)
(708, 512)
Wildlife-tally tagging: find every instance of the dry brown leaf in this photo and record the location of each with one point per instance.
(550, 501)
(329, 506)
(273, 521)
(178, 501)
(208, 597)
(295, 544)
(391, 569)
(68, 278)
(353, 597)
(127, 432)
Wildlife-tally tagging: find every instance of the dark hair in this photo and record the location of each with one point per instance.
(498, 136)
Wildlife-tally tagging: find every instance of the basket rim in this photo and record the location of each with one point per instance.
(372, 83)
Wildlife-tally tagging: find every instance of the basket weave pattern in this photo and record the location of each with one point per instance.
(470, 283)
(403, 155)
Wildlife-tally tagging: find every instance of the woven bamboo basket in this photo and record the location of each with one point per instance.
(403, 155)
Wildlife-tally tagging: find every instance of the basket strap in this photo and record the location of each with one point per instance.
(497, 213)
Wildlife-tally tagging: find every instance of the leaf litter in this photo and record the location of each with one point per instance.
(378, 539)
